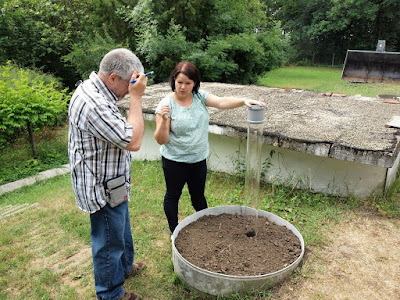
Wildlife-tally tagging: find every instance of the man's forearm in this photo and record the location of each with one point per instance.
(135, 117)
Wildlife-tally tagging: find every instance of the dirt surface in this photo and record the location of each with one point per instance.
(235, 245)
(360, 260)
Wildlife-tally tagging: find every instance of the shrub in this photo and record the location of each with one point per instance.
(85, 57)
(28, 101)
(238, 58)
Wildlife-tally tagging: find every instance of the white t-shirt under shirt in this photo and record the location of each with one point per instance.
(188, 137)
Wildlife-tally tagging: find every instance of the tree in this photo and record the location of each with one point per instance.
(107, 21)
(67, 37)
(39, 33)
(28, 101)
(320, 28)
(85, 56)
(219, 36)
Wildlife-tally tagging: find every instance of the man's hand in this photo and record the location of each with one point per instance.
(136, 89)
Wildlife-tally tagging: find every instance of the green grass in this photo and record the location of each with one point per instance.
(36, 246)
(16, 161)
(324, 80)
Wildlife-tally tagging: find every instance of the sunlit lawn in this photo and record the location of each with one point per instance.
(45, 251)
(324, 80)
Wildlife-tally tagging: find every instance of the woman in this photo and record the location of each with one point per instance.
(182, 131)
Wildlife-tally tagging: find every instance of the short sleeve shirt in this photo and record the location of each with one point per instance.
(98, 134)
(188, 138)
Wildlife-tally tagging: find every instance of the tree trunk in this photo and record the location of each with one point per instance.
(32, 140)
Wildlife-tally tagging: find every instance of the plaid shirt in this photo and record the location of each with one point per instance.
(97, 135)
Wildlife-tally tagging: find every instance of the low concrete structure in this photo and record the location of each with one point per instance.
(9, 187)
(337, 145)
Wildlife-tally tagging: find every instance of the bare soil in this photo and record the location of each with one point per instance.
(359, 259)
(238, 245)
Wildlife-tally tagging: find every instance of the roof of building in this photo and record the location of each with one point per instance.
(351, 128)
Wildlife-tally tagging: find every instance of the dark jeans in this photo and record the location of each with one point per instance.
(176, 175)
(112, 249)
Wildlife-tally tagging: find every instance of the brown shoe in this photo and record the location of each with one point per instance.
(137, 268)
(130, 296)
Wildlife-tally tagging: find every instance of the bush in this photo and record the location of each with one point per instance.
(28, 101)
(222, 41)
(164, 52)
(238, 58)
(85, 57)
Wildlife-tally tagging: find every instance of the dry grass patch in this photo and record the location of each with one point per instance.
(360, 261)
(43, 260)
(45, 250)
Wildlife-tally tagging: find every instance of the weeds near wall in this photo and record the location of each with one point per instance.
(239, 163)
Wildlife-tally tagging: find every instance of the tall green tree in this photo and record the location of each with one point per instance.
(40, 33)
(204, 18)
(107, 20)
(220, 36)
(319, 29)
(37, 33)
(67, 37)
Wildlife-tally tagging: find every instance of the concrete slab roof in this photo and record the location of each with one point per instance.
(350, 128)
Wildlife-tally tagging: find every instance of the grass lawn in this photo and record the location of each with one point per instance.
(45, 251)
(324, 80)
(17, 162)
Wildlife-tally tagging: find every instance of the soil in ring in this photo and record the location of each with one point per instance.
(226, 244)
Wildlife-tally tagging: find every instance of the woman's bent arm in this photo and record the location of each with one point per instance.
(162, 129)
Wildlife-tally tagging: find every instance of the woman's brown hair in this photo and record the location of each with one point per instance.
(188, 69)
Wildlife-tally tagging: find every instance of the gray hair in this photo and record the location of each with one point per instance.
(122, 62)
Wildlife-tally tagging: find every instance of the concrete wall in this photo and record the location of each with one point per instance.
(150, 149)
(392, 173)
(315, 173)
(282, 166)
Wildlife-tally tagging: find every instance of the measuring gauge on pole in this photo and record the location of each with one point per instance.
(255, 131)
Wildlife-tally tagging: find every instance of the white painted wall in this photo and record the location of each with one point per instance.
(150, 149)
(316, 173)
(392, 173)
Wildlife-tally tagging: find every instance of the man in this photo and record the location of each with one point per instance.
(99, 143)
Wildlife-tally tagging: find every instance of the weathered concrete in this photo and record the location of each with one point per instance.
(8, 187)
(327, 132)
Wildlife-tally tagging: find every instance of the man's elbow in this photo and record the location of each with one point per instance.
(134, 146)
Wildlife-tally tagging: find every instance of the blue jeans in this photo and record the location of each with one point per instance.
(176, 174)
(112, 249)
